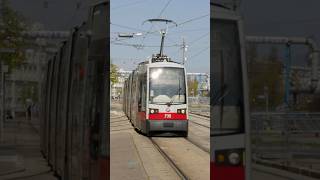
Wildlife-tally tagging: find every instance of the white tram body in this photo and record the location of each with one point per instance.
(155, 97)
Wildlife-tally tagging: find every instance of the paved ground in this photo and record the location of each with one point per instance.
(133, 156)
(20, 156)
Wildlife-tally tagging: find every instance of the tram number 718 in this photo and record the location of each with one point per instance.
(168, 116)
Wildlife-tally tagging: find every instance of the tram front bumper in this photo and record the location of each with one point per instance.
(167, 125)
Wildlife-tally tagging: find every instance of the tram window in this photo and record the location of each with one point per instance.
(227, 94)
(143, 98)
(140, 97)
(99, 18)
(142, 93)
(167, 85)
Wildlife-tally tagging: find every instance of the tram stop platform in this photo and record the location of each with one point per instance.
(20, 156)
(125, 160)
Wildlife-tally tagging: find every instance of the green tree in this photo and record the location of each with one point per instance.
(11, 27)
(266, 72)
(193, 87)
(114, 74)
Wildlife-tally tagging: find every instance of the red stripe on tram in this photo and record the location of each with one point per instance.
(227, 172)
(167, 116)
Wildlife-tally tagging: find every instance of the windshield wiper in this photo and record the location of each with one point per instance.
(179, 90)
(224, 92)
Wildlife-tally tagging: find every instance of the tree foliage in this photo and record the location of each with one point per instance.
(11, 28)
(193, 87)
(265, 72)
(114, 76)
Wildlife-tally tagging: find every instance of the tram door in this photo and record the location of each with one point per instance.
(228, 102)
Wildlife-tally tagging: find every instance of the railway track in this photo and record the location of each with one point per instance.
(169, 160)
(198, 145)
(199, 117)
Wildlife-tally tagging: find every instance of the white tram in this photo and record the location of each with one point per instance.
(155, 97)
(230, 128)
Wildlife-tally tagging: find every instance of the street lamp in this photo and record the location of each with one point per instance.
(129, 35)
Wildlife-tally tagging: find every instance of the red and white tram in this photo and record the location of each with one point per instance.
(155, 97)
(230, 152)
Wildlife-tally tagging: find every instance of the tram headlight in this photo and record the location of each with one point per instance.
(234, 158)
(153, 111)
(229, 157)
(181, 111)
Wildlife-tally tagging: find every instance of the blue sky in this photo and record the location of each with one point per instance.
(132, 14)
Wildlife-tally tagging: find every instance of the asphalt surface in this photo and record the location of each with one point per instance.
(20, 156)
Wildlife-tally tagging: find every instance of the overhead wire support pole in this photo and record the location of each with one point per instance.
(184, 50)
(163, 34)
(162, 31)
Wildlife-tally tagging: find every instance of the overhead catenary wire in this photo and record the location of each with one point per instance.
(197, 39)
(200, 52)
(118, 41)
(185, 22)
(135, 45)
(194, 41)
(153, 32)
(161, 12)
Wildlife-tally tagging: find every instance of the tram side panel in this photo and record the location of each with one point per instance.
(130, 98)
(57, 126)
(141, 100)
(74, 125)
(70, 125)
(53, 100)
(62, 107)
(45, 110)
(125, 98)
(48, 113)
(44, 84)
(59, 123)
(134, 99)
(81, 63)
(99, 53)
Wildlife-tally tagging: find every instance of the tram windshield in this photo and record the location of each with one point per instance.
(167, 85)
(227, 105)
